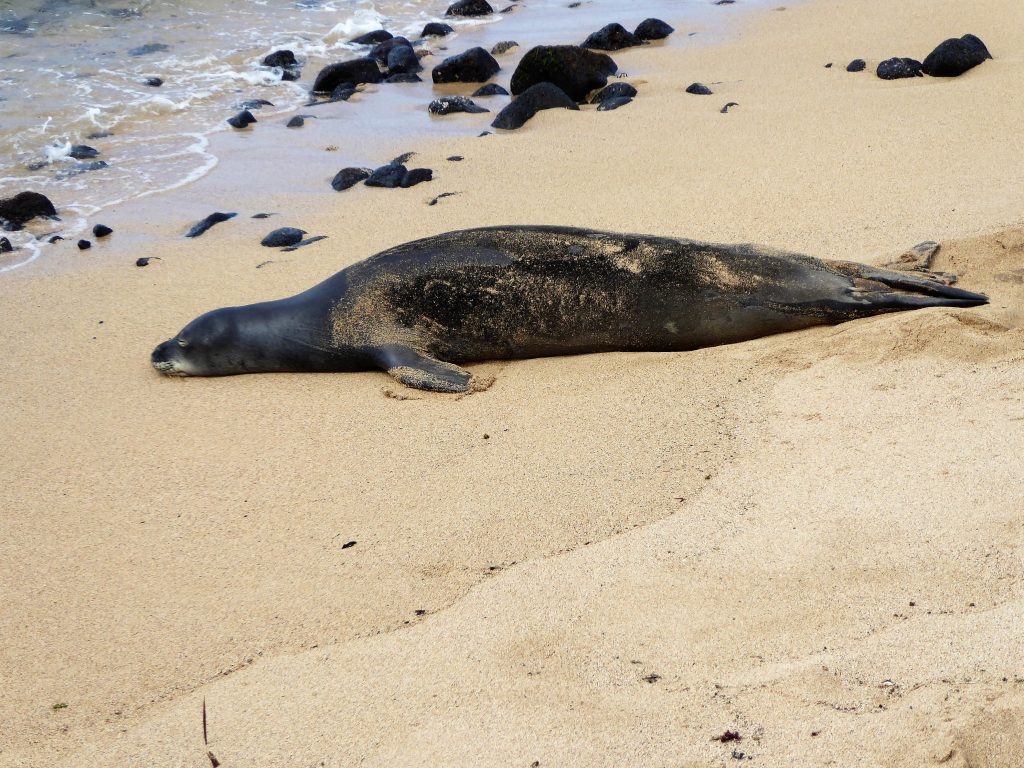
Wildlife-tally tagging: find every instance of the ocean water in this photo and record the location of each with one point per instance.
(74, 72)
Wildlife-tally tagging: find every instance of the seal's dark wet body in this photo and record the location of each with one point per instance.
(514, 292)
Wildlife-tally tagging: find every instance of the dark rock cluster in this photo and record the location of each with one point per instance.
(576, 71)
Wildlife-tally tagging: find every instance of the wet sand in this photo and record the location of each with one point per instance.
(811, 540)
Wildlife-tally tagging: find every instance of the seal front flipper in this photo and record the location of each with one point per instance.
(417, 369)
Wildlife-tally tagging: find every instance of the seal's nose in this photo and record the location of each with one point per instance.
(159, 358)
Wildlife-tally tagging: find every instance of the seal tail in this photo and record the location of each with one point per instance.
(886, 290)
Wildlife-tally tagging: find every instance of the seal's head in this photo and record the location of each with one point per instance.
(211, 345)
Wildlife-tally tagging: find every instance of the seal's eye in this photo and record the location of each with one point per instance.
(182, 343)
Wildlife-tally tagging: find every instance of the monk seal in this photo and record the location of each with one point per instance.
(420, 309)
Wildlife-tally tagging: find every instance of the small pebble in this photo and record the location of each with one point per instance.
(154, 82)
(84, 245)
(456, 158)
(101, 230)
(699, 89)
(857, 65)
(283, 237)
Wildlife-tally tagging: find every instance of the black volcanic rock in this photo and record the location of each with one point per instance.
(473, 66)
(403, 77)
(612, 37)
(390, 175)
(296, 122)
(653, 29)
(469, 8)
(380, 52)
(214, 218)
(153, 82)
(24, 206)
(447, 105)
(349, 177)
(403, 61)
(614, 91)
(242, 119)
(698, 89)
(436, 29)
(416, 176)
(955, 56)
(101, 230)
(283, 59)
(284, 236)
(84, 245)
(490, 89)
(857, 65)
(899, 68)
(503, 47)
(530, 102)
(354, 72)
(613, 103)
(83, 152)
(372, 38)
(5, 245)
(575, 70)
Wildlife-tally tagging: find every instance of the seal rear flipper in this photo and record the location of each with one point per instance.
(416, 369)
(905, 290)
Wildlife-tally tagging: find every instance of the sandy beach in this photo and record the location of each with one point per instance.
(812, 541)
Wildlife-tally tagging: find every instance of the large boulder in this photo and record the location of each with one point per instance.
(473, 66)
(355, 71)
(575, 70)
(469, 8)
(955, 56)
(612, 37)
(530, 102)
(15, 211)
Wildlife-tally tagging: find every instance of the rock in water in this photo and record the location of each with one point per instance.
(282, 237)
(899, 68)
(349, 177)
(857, 65)
(354, 72)
(381, 51)
(473, 66)
(955, 56)
(5, 245)
(372, 38)
(699, 89)
(242, 120)
(436, 29)
(416, 176)
(145, 50)
(618, 90)
(296, 122)
(24, 206)
(101, 230)
(469, 8)
(575, 70)
(491, 89)
(83, 152)
(403, 61)
(153, 82)
(390, 175)
(214, 218)
(612, 37)
(283, 59)
(503, 47)
(447, 105)
(535, 98)
(653, 29)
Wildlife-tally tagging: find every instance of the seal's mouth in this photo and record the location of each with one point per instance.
(168, 368)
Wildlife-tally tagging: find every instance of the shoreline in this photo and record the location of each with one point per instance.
(811, 540)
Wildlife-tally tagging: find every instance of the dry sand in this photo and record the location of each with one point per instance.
(813, 540)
